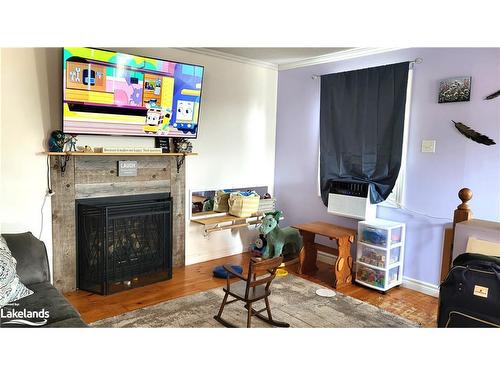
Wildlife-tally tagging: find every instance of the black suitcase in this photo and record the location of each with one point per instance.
(470, 295)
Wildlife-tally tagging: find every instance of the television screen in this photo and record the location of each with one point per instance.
(113, 93)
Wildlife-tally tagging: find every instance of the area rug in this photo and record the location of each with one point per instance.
(293, 300)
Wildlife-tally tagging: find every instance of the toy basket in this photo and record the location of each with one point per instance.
(243, 204)
(221, 201)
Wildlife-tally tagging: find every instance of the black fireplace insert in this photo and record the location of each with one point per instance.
(123, 242)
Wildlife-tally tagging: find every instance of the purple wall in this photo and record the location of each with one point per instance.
(433, 179)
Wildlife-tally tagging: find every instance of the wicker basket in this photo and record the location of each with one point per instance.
(243, 206)
(221, 201)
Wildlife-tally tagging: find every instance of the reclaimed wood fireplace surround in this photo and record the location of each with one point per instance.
(95, 175)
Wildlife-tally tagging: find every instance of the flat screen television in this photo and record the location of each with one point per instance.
(112, 93)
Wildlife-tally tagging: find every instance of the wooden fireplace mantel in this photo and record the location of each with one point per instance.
(76, 153)
(65, 155)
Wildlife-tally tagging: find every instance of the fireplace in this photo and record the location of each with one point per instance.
(123, 242)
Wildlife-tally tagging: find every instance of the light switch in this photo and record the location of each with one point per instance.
(428, 145)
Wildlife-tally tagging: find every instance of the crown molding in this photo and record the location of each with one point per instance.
(322, 59)
(337, 56)
(231, 57)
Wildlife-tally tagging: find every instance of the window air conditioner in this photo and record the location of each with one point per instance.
(351, 199)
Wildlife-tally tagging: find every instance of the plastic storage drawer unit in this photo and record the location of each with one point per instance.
(380, 253)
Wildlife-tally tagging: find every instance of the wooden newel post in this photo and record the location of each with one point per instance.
(463, 212)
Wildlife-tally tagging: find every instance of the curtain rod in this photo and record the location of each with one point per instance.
(418, 60)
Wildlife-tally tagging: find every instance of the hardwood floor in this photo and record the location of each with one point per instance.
(196, 278)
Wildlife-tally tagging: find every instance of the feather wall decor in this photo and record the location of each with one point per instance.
(493, 96)
(472, 134)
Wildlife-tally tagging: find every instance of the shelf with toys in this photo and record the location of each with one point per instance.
(64, 146)
(137, 153)
(380, 254)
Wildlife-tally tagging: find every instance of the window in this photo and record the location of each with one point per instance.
(396, 198)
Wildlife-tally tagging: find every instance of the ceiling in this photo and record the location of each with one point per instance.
(278, 56)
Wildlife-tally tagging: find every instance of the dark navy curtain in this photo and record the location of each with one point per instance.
(361, 128)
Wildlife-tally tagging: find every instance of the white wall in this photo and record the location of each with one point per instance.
(30, 107)
(235, 143)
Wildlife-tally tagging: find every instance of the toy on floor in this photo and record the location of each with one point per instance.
(259, 246)
(279, 239)
(280, 272)
(221, 273)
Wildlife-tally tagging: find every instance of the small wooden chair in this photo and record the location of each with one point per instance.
(252, 289)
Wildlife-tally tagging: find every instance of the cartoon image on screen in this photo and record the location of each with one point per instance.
(114, 93)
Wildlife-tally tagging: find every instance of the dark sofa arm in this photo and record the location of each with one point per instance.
(31, 257)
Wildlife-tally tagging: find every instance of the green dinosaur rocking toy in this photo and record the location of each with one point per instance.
(278, 239)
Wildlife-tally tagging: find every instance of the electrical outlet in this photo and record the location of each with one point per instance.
(428, 145)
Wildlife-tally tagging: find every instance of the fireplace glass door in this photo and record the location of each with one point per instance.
(124, 242)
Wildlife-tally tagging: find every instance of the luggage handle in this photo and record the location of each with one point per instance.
(482, 265)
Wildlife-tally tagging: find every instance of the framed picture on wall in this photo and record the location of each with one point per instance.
(455, 89)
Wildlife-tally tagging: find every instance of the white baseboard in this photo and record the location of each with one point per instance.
(326, 258)
(419, 286)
